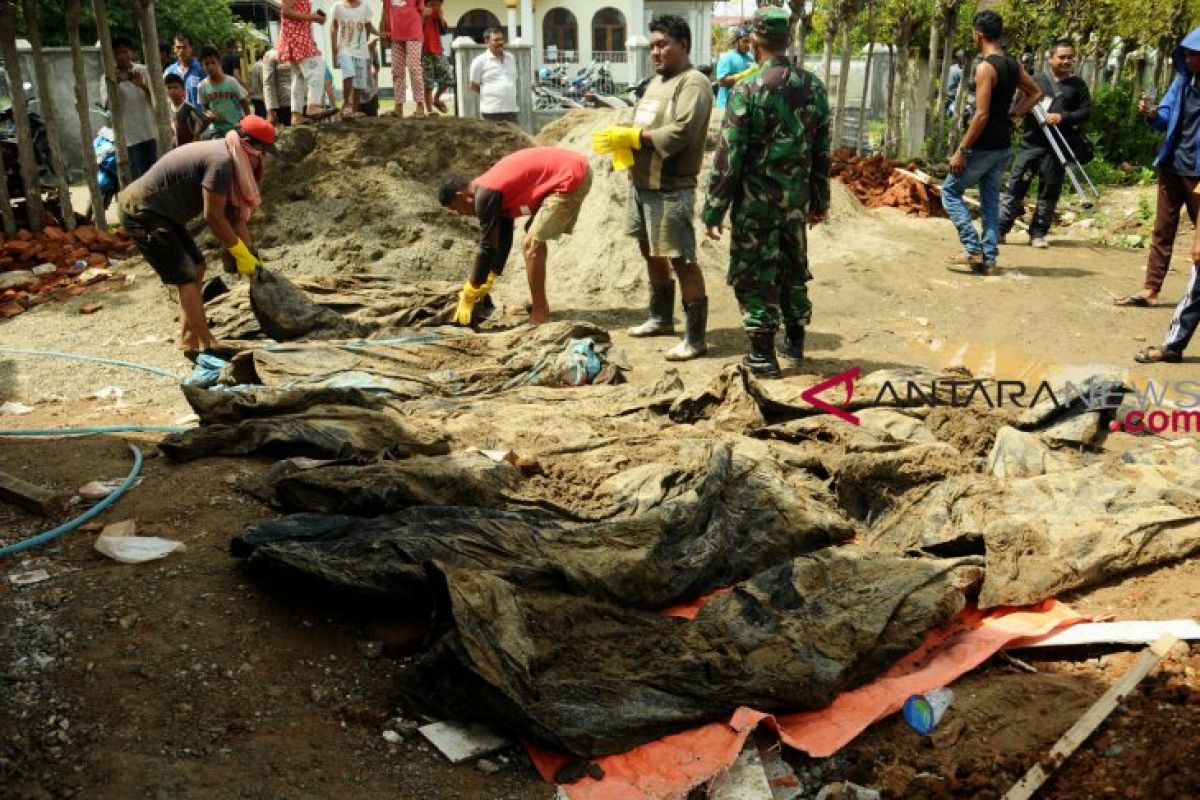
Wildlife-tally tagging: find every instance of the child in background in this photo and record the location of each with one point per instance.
(224, 100)
(187, 123)
(434, 63)
(352, 29)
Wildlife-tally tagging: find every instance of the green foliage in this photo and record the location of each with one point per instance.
(1121, 134)
(1145, 211)
(205, 21)
(1104, 173)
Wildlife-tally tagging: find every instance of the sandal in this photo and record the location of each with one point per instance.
(964, 258)
(1157, 355)
(984, 268)
(1135, 301)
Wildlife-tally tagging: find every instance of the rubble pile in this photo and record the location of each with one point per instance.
(53, 264)
(879, 181)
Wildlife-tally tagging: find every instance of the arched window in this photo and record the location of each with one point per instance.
(561, 31)
(475, 22)
(608, 32)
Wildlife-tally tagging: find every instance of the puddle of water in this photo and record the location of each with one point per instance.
(990, 360)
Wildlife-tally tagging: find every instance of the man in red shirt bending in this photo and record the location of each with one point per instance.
(546, 184)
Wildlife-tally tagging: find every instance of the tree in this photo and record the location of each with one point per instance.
(831, 32)
(58, 163)
(906, 19)
(942, 37)
(802, 19)
(846, 10)
(205, 21)
(113, 92)
(144, 9)
(82, 108)
(866, 92)
(26, 155)
(7, 217)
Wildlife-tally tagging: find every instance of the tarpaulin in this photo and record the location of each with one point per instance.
(673, 765)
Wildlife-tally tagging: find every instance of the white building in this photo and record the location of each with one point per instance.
(570, 31)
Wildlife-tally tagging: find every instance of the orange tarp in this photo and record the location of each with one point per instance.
(670, 767)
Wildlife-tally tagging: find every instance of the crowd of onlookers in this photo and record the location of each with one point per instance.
(291, 82)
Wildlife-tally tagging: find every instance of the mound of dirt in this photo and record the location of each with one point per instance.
(352, 197)
(363, 197)
(599, 261)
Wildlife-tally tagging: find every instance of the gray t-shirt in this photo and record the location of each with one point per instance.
(174, 186)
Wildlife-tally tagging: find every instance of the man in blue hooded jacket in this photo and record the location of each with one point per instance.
(1178, 164)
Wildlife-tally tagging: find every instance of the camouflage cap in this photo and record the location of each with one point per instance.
(772, 23)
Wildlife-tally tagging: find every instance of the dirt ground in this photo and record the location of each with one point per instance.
(183, 678)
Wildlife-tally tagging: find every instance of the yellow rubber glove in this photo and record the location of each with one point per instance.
(745, 73)
(622, 159)
(247, 262)
(469, 296)
(618, 137)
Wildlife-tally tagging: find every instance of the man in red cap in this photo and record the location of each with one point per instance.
(218, 179)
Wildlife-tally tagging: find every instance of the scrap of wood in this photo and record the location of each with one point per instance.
(34, 499)
(926, 179)
(460, 742)
(1086, 725)
(1125, 632)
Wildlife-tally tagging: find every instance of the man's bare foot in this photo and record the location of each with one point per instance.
(538, 314)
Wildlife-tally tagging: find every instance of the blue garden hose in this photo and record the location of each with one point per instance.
(67, 527)
(93, 431)
(92, 359)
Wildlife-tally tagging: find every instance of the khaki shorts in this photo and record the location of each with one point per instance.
(560, 212)
(665, 220)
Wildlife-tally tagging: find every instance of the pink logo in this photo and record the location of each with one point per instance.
(812, 395)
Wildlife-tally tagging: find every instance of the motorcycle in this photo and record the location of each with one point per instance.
(104, 147)
(41, 144)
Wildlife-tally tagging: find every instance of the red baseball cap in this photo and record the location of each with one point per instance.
(260, 131)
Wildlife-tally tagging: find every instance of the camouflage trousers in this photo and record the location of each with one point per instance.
(768, 270)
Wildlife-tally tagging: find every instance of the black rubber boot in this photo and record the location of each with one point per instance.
(793, 344)
(693, 344)
(662, 310)
(761, 359)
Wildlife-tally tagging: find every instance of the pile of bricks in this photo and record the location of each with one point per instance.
(53, 264)
(877, 182)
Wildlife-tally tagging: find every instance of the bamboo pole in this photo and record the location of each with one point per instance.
(57, 161)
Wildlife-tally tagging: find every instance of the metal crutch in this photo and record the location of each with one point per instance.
(1070, 166)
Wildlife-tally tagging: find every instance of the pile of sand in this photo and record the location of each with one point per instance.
(362, 196)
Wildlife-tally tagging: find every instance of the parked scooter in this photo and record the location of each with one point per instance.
(41, 144)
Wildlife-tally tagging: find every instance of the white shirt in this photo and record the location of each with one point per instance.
(352, 29)
(136, 110)
(497, 81)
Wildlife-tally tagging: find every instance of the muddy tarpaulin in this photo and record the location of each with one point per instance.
(738, 520)
(595, 679)
(735, 400)
(320, 431)
(232, 407)
(1066, 530)
(447, 363)
(330, 307)
(375, 489)
(668, 768)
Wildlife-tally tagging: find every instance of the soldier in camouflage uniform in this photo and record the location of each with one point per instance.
(771, 173)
